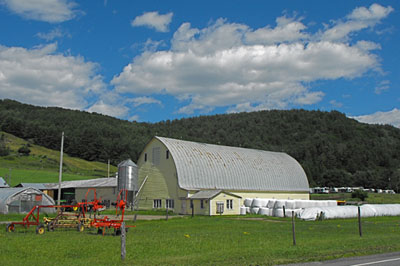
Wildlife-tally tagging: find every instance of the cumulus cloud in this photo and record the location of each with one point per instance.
(53, 11)
(390, 118)
(42, 77)
(232, 65)
(153, 20)
(110, 109)
(360, 18)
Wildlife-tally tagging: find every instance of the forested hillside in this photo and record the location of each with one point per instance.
(333, 149)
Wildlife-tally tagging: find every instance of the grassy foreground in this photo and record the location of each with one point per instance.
(204, 240)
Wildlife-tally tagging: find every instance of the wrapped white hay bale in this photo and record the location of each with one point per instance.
(248, 210)
(248, 202)
(263, 211)
(243, 210)
(278, 212)
(271, 203)
(290, 204)
(257, 203)
(254, 210)
(279, 204)
(270, 211)
(367, 210)
(332, 203)
(302, 204)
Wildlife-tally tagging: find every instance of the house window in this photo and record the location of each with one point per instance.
(229, 204)
(157, 203)
(145, 157)
(167, 154)
(169, 203)
(201, 204)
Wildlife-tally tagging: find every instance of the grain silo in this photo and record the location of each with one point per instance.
(128, 178)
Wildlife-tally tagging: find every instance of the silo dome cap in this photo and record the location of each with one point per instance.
(127, 163)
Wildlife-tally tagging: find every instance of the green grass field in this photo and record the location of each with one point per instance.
(42, 165)
(373, 198)
(204, 241)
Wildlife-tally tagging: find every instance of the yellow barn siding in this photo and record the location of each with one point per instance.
(161, 180)
(272, 195)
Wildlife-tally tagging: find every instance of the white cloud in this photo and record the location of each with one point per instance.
(53, 11)
(360, 18)
(382, 87)
(231, 65)
(109, 109)
(390, 118)
(153, 20)
(55, 33)
(144, 100)
(336, 104)
(42, 77)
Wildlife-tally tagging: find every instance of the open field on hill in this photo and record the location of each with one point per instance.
(373, 198)
(205, 241)
(42, 164)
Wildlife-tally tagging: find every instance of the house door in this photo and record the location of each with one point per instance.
(183, 210)
(220, 207)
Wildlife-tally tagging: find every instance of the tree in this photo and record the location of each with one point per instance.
(4, 150)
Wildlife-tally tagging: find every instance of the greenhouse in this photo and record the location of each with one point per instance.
(22, 200)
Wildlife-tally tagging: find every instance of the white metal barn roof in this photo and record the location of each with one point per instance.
(96, 182)
(207, 166)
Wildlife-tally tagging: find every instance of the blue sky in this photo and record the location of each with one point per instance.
(158, 60)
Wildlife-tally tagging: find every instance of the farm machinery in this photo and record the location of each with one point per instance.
(78, 218)
(105, 223)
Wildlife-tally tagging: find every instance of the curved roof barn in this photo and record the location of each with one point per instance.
(207, 166)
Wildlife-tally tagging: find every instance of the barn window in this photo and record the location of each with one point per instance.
(157, 203)
(145, 157)
(229, 204)
(201, 204)
(156, 156)
(167, 154)
(170, 203)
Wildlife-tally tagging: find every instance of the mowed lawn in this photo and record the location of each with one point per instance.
(204, 241)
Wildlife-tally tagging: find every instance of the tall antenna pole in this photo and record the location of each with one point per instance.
(60, 174)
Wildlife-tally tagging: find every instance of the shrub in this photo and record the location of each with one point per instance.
(24, 150)
(361, 194)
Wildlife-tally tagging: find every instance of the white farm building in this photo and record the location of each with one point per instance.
(213, 179)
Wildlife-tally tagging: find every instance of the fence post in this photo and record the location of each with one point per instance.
(123, 241)
(359, 221)
(166, 215)
(284, 211)
(293, 230)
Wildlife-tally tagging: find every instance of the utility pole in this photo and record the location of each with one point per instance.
(108, 169)
(9, 178)
(60, 174)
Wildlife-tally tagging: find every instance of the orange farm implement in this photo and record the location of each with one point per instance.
(104, 223)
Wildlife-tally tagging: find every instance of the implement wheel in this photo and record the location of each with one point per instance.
(10, 228)
(117, 232)
(40, 229)
(80, 227)
(50, 226)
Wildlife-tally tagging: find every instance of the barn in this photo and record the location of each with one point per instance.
(191, 177)
(23, 199)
